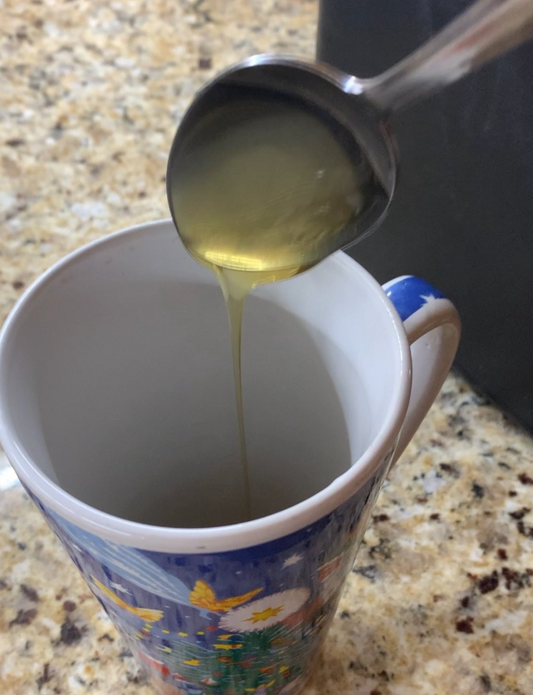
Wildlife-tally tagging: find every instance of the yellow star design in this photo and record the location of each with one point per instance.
(264, 614)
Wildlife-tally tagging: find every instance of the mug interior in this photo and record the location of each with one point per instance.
(119, 386)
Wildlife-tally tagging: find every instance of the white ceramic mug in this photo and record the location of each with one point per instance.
(117, 412)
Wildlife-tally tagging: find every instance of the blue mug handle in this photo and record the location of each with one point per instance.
(433, 329)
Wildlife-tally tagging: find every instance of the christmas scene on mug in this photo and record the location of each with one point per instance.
(243, 621)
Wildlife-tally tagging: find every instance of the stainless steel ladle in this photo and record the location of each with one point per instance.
(486, 30)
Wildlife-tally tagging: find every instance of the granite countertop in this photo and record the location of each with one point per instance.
(440, 600)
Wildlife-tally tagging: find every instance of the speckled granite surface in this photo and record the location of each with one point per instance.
(441, 600)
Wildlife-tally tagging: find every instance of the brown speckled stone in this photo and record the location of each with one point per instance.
(440, 601)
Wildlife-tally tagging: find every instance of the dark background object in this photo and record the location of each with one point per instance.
(462, 217)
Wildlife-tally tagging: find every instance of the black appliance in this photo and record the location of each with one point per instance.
(463, 214)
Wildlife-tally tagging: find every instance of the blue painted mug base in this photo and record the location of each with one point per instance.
(230, 623)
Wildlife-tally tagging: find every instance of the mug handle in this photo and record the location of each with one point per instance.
(433, 330)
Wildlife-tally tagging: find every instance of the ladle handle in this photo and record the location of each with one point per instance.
(483, 32)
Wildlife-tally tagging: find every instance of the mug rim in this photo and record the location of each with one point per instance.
(217, 538)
